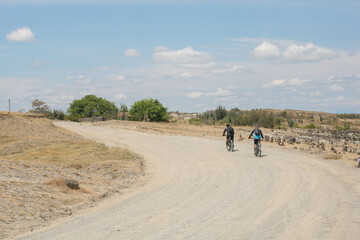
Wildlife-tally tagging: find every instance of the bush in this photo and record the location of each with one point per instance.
(195, 121)
(310, 126)
(148, 110)
(291, 122)
(92, 106)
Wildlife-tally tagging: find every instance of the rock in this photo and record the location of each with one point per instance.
(292, 140)
(71, 183)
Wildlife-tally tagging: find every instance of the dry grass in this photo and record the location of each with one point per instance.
(33, 139)
(332, 156)
(60, 184)
(77, 154)
(35, 159)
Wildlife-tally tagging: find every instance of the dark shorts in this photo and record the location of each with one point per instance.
(230, 137)
(256, 141)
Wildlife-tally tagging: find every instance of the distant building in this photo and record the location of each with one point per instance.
(184, 116)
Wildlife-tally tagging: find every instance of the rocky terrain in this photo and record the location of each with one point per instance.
(36, 159)
(331, 143)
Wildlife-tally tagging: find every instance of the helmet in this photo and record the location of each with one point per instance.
(228, 124)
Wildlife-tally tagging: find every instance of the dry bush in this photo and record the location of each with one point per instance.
(57, 182)
(332, 156)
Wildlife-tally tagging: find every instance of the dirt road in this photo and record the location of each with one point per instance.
(198, 190)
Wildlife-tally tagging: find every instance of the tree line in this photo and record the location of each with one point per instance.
(91, 106)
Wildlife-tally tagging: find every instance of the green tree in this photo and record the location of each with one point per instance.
(220, 112)
(148, 110)
(92, 106)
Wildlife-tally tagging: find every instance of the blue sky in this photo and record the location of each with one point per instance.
(191, 55)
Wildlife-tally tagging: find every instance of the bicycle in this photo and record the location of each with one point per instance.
(257, 149)
(230, 144)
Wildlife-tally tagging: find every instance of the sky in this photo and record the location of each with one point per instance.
(190, 55)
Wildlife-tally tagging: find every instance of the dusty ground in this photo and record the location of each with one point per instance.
(35, 159)
(198, 190)
(330, 144)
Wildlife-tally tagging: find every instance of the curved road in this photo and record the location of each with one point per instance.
(198, 190)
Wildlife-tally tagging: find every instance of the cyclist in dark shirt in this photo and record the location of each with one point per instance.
(230, 132)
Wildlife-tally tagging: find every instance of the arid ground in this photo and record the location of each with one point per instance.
(197, 190)
(35, 159)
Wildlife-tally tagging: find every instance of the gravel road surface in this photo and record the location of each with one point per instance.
(198, 190)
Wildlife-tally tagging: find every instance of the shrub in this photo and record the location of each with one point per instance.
(310, 126)
(195, 121)
(148, 110)
(92, 106)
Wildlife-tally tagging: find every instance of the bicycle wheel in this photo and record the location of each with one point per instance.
(232, 145)
(259, 149)
(228, 147)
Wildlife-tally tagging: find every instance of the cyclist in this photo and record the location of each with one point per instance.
(230, 132)
(257, 135)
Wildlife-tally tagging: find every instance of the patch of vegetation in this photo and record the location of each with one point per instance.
(310, 126)
(241, 118)
(148, 110)
(92, 106)
(195, 121)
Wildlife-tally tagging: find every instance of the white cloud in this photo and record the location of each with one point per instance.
(200, 65)
(293, 52)
(82, 80)
(274, 83)
(20, 35)
(120, 77)
(298, 82)
(37, 63)
(283, 83)
(217, 93)
(69, 77)
(336, 88)
(308, 52)
(340, 98)
(186, 55)
(185, 75)
(231, 87)
(132, 53)
(161, 49)
(315, 94)
(194, 95)
(267, 50)
(229, 70)
(120, 96)
(103, 68)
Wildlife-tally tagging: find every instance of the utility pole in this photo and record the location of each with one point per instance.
(9, 105)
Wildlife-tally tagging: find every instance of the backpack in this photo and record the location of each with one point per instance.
(257, 131)
(230, 131)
